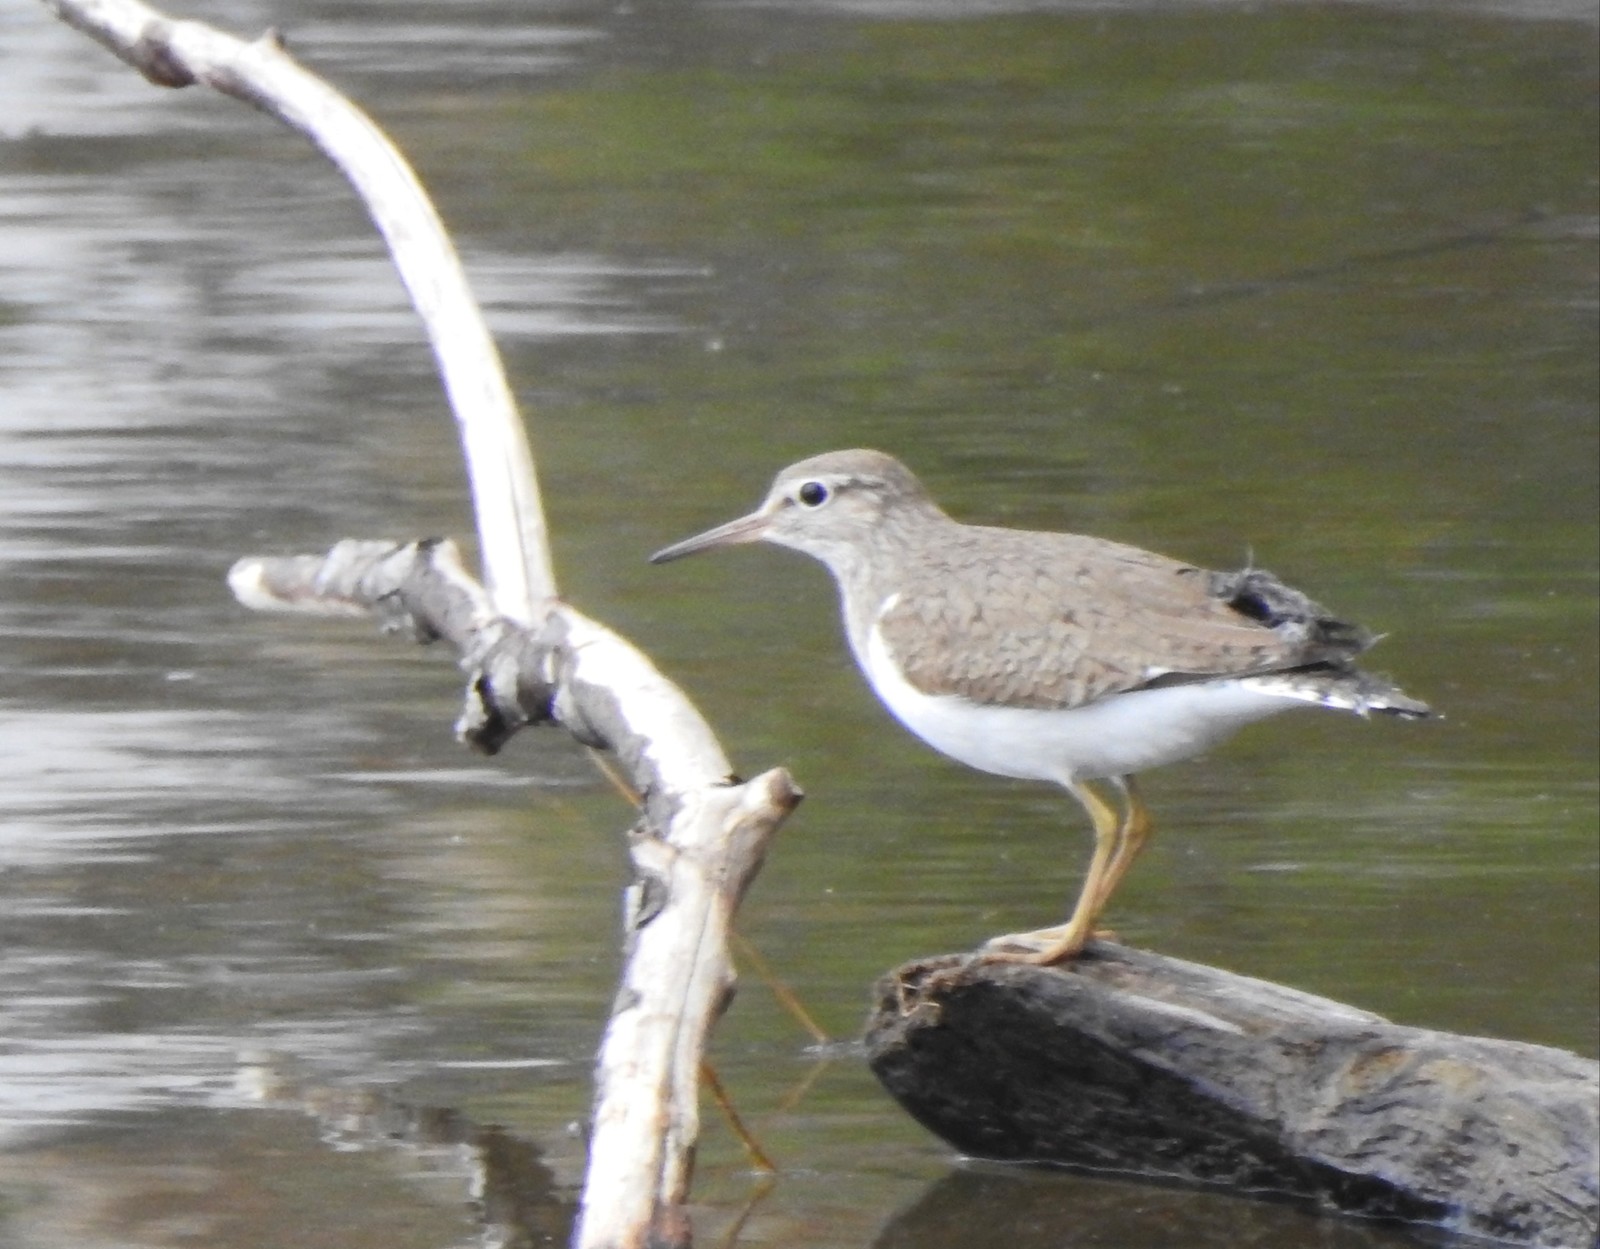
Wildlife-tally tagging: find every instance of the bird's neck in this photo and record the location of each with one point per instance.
(876, 568)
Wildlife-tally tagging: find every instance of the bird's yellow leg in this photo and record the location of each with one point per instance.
(1131, 840)
(1069, 939)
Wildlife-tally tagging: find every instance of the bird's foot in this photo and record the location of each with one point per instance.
(1025, 942)
(1042, 947)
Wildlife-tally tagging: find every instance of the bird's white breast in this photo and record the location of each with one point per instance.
(1115, 736)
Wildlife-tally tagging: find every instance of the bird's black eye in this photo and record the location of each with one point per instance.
(812, 494)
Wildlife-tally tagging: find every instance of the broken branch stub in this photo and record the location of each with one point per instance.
(570, 669)
(676, 983)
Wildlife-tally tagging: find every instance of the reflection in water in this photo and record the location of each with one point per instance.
(1030, 1209)
(717, 238)
(95, 801)
(515, 1196)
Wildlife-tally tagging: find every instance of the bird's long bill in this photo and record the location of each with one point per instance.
(749, 528)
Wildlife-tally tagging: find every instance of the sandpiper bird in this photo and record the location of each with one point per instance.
(1053, 656)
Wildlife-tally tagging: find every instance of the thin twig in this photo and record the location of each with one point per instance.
(787, 998)
(713, 1083)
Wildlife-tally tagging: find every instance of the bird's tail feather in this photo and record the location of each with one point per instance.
(1360, 692)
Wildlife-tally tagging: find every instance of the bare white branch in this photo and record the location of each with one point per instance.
(529, 658)
(703, 837)
(505, 491)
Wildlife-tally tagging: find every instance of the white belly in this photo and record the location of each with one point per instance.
(1117, 736)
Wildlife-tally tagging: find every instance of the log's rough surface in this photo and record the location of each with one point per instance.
(1131, 1062)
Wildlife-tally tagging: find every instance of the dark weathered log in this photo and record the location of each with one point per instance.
(1130, 1062)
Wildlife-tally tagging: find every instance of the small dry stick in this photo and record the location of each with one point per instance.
(786, 996)
(713, 1084)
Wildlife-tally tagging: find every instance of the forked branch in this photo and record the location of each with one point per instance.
(700, 842)
(529, 658)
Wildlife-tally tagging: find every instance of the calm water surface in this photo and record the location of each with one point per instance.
(1313, 285)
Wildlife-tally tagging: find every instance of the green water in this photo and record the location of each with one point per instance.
(1310, 286)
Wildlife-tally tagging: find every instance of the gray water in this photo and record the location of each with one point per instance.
(1312, 284)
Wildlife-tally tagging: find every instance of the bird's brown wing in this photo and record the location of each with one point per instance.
(1059, 620)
